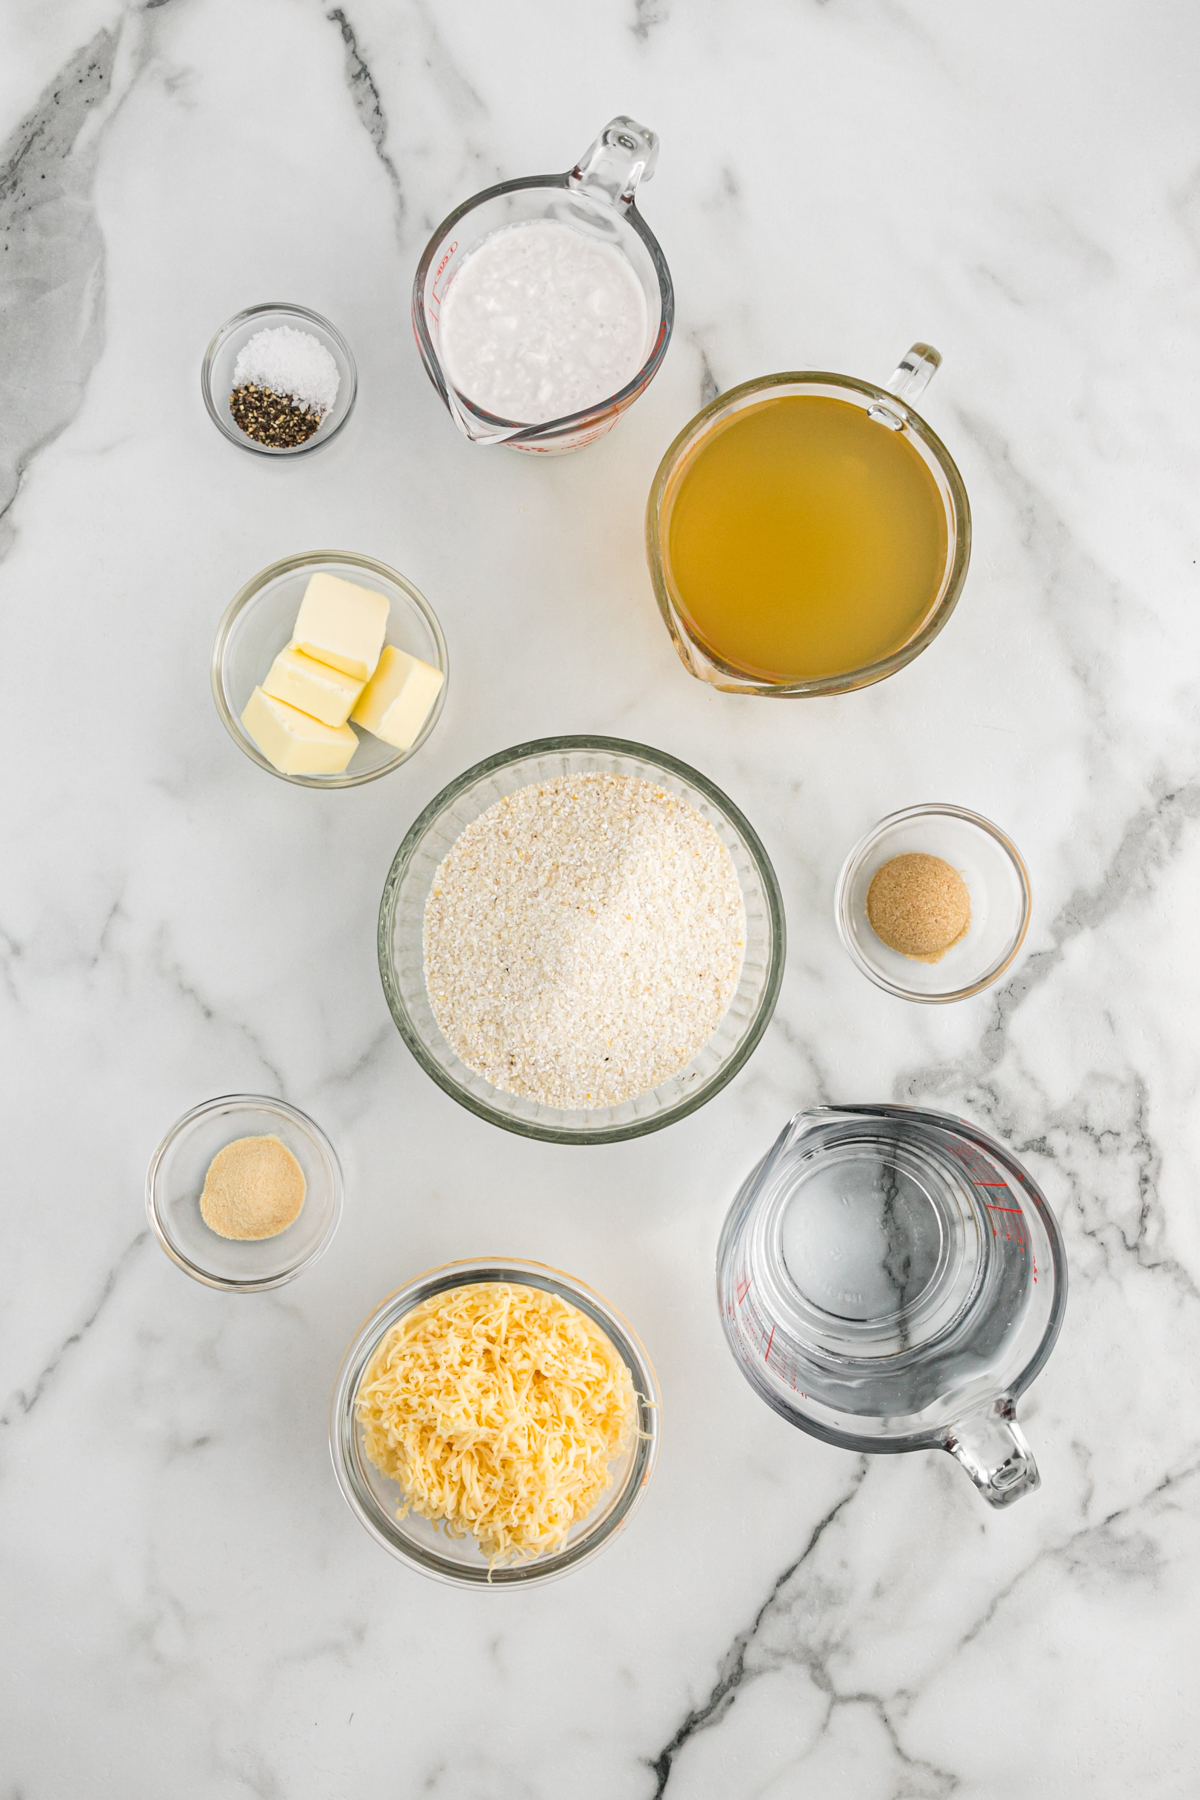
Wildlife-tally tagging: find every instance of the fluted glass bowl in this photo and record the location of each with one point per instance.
(374, 1498)
(402, 962)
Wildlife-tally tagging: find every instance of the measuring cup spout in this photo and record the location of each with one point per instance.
(611, 168)
(991, 1447)
(471, 425)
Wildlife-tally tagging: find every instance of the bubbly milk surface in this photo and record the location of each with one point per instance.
(541, 321)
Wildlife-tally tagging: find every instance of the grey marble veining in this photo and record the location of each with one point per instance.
(51, 264)
(189, 1609)
(367, 103)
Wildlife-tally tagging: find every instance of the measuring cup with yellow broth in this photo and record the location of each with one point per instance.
(808, 533)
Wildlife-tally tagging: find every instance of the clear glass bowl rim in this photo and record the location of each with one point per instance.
(851, 679)
(602, 1134)
(577, 1293)
(245, 595)
(299, 1119)
(570, 422)
(931, 809)
(224, 424)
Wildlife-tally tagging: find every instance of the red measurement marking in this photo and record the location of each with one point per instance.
(1013, 1234)
(770, 1341)
(433, 306)
(441, 268)
(743, 1288)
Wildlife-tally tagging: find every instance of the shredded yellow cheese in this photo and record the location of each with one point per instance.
(498, 1408)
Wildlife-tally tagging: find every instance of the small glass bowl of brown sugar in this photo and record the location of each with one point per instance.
(933, 904)
(244, 1193)
(278, 379)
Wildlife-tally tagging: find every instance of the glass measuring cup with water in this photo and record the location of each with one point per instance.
(598, 198)
(891, 1279)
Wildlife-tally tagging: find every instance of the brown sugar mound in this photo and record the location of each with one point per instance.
(254, 1189)
(919, 905)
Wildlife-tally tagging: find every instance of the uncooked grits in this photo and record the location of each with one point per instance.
(583, 939)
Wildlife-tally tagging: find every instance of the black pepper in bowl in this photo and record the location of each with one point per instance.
(272, 419)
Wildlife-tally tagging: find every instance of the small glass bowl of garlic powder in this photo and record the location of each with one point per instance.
(225, 1179)
(969, 852)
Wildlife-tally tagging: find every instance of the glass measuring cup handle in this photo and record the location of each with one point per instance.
(917, 368)
(991, 1447)
(611, 168)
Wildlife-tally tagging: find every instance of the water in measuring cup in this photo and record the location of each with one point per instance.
(876, 1270)
(542, 321)
(862, 1242)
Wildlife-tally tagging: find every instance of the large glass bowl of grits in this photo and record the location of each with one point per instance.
(808, 533)
(375, 1499)
(402, 957)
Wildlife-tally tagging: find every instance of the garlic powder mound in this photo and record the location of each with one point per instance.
(919, 905)
(583, 939)
(254, 1189)
(498, 1408)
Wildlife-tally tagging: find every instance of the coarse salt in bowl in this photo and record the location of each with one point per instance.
(289, 362)
(401, 940)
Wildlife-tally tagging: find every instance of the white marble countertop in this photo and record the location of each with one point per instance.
(189, 1609)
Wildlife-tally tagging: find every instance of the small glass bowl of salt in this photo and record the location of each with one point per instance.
(294, 364)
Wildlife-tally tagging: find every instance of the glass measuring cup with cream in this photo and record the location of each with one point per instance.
(543, 307)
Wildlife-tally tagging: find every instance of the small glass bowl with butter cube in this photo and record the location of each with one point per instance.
(329, 669)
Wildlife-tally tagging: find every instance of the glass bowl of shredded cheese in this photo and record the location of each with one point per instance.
(581, 939)
(494, 1423)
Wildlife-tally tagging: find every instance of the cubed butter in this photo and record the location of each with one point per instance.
(342, 624)
(294, 741)
(315, 687)
(395, 702)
